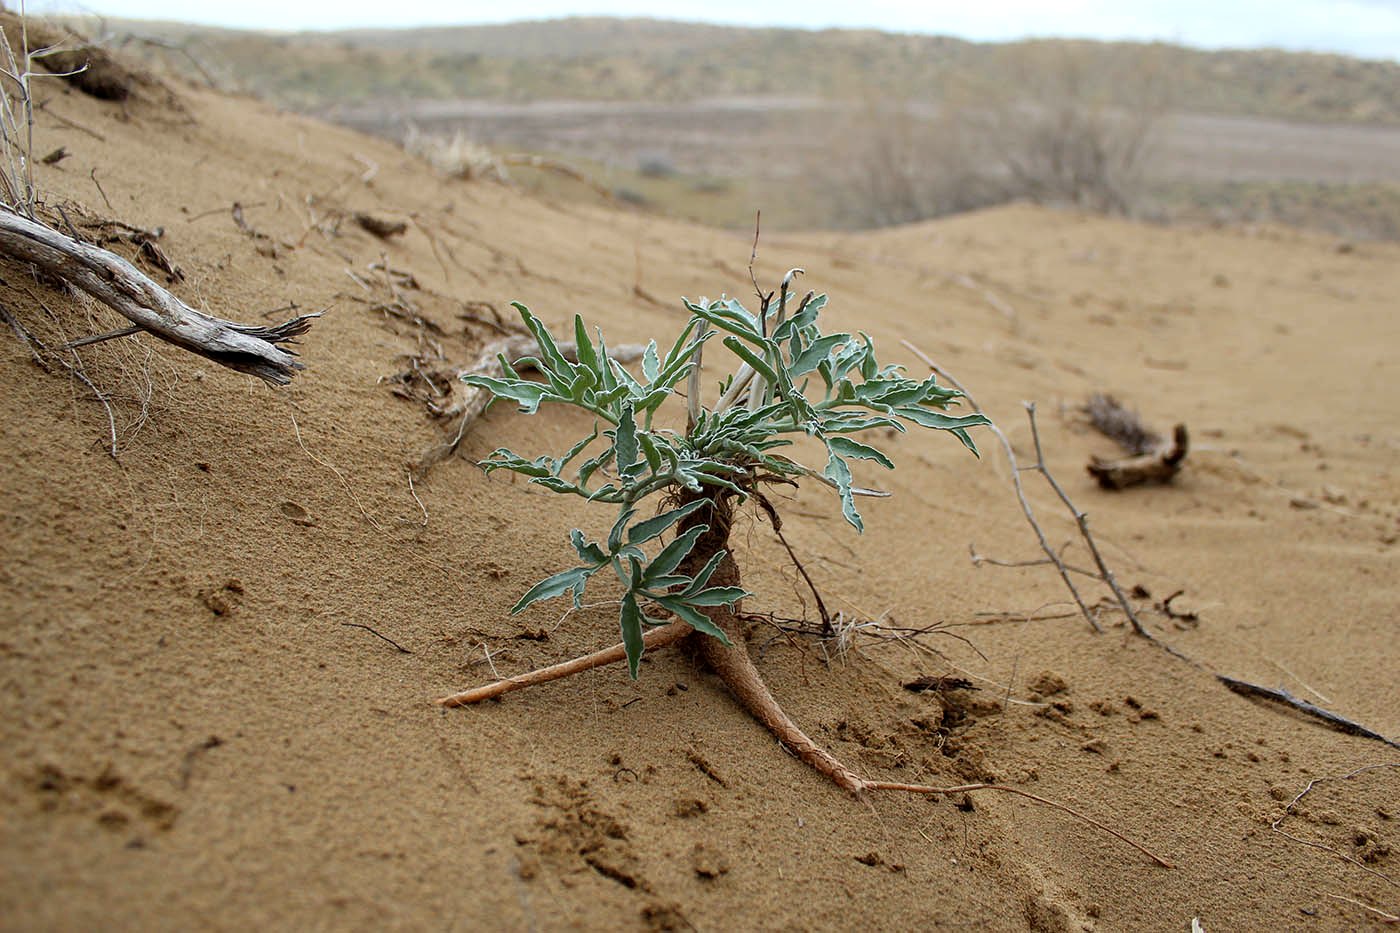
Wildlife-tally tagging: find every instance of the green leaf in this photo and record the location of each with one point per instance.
(672, 554)
(759, 364)
(625, 440)
(586, 549)
(577, 449)
(619, 526)
(605, 373)
(673, 355)
(556, 585)
(587, 356)
(643, 532)
(528, 394)
(718, 596)
(801, 321)
(847, 447)
(649, 450)
(928, 418)
(819, 350)
(556, 363)
(839, 473)
(693, 617)
(703, 577)
(631, 623)
(651, 366)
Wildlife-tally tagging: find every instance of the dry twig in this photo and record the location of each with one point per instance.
(1051, 556)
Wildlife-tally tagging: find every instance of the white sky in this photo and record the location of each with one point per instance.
(1367, 28)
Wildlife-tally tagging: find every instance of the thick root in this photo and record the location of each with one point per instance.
(656, 638)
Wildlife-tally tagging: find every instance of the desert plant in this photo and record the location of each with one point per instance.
(789, 380)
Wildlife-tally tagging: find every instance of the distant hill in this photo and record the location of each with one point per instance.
(633, 59)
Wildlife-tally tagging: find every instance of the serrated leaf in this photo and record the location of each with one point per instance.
(587, 356)
(928, 418)
(619, 526)
(630, 620)
(577, 449)
(693, 617)
(811, 356)
(703, 577)
(840, 473)
(672, 554)
(651, 365)
(625, 440)
(586, 549)
(718, 596)
(643, 532)
(557, 585)
(554, 359)
(528, 394)
(847, 447)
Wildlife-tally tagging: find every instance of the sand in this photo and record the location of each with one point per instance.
(198, 733)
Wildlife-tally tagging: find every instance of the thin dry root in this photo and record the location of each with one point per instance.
(656, 638)
(965, 788)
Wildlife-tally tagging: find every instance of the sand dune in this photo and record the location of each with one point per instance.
(197, 732)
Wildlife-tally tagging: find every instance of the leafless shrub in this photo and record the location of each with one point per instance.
(1051, 130)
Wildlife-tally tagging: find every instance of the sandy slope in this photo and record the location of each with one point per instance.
(194, 738)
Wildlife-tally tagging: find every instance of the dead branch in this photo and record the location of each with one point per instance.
(1280, 695)
(110, 279)
(1082, 520)
(1026, 509)
(1134, 433)
(379, 226)
(1151, 458)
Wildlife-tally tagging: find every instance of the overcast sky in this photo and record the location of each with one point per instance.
(1368, 28)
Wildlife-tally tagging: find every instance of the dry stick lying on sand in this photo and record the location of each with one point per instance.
(118, 284)
(1105, 575)
(1151, 458)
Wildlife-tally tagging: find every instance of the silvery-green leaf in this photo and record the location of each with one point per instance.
(625, 440)
(718, 596)
(839, 473)
(693, 617)
(672, 554)
(847, 447)
(631, 624)
(556, 585)
(586, 549)
(643, 532)
(651, 365)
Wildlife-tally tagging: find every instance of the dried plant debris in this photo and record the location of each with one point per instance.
(73, 58)
(1150, 457)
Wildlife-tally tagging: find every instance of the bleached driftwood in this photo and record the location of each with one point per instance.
(118, 284)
